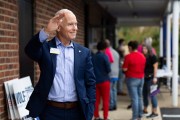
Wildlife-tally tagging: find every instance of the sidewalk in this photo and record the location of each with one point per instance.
(122, 113)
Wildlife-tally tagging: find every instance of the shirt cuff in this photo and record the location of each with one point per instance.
(43, 36)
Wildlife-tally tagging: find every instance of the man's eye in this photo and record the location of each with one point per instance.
(71, 24)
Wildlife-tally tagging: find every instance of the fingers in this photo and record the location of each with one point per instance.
(61, 16)
(55, 22)
(55, 17)
(58, 17)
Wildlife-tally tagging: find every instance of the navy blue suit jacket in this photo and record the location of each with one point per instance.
(83, 75)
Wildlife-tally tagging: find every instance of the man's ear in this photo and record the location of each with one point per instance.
(59, 28)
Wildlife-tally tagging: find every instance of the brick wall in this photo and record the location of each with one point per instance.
(9, 48)
(44, 10)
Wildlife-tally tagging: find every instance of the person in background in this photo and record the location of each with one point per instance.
(120, 48)
(114, 74)
(108, 51)
(102, 69)
(134, 64)
(150, 79)
(140, 46)
(147, 42)
(66, 87)
(121, 51)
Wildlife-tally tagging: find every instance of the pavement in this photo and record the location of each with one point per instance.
(122, 113)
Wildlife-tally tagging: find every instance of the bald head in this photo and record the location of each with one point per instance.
(107, 42)
(64, 11)
(67, 13)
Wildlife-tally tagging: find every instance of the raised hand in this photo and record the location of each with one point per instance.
(53, 23)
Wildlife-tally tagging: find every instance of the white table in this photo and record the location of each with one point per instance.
(163, 73)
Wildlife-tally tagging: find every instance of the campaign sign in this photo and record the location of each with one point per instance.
(22, 91)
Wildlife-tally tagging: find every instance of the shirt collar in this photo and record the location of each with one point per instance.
(58, 42)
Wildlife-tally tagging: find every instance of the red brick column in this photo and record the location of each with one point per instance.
(9, 48)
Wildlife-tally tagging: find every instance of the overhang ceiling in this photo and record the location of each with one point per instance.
(136, 12)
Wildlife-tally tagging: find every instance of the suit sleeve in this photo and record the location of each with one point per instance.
(90, 79)
(90, 85)
(34, 48)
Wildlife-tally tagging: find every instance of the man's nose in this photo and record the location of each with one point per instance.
(75, 27)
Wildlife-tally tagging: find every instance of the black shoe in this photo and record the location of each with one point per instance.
(122, 93)
(129, 106)
(113, 108)
(152, 115)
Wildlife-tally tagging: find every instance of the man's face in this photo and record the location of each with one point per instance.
(68, 28)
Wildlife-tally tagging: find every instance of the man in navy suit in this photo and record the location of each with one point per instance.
(66, 87)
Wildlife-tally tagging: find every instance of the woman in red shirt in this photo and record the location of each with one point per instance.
(134, 64)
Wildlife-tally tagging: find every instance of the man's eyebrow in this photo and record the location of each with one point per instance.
(72, 22)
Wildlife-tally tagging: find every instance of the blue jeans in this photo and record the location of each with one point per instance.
(135, 87)
(146, 94)
(113, 95)
(121, 80)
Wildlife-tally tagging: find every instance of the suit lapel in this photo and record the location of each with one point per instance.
(77, 57)
(52, 44)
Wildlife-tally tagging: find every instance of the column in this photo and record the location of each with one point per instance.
(175, 53)
(168, 48)
(161, 40)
